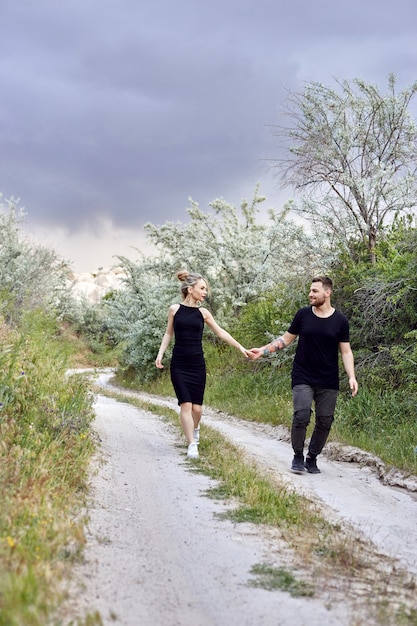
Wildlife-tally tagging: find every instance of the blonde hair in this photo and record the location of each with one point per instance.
(188, 279)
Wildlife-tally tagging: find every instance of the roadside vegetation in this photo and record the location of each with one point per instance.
(45, 433)
(45, 448)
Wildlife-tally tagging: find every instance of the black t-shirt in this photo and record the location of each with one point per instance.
(316, 361)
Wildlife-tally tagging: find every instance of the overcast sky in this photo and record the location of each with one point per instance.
(114, 112)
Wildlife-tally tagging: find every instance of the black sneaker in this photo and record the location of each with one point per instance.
(297, 465)
(311, 466)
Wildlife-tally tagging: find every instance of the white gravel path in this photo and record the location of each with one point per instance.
(157, 554)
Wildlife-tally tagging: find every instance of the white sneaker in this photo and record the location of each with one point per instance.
(192, 450)
(197, 435)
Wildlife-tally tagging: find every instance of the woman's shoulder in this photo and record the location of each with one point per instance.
(204, 312)
(173, 308)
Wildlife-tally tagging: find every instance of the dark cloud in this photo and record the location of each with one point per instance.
(123, 109)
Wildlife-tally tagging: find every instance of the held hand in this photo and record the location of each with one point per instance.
(244, 351)
(353, 384)
(255, 353)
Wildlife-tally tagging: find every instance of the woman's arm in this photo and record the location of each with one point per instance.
(220, 332)
(166, 339)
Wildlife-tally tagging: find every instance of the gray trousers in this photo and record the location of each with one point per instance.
(324, 405)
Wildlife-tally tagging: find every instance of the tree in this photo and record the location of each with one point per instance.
(31, 276)
(353, 154)
(381, 299)
(242, 258)
(240, 255)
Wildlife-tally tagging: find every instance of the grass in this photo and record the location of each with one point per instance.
(45, 451)
(384, 424)
(277, 578)
(82, 353)
(260, 500)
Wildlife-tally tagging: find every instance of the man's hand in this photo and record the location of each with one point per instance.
(255, 353)
(353, 384)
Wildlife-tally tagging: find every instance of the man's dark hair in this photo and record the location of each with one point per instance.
(325, 281)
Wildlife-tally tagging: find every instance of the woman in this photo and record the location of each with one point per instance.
(188, 369)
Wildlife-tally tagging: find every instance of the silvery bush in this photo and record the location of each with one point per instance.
(242, 253)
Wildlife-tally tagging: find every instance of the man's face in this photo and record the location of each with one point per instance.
(318, 294)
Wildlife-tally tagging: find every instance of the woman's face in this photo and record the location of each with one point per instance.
(199, 290)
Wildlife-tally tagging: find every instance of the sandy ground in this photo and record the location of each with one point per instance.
(158, 554)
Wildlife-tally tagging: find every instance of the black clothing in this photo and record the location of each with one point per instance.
(316, 361)
(324, 400)
(188, 368)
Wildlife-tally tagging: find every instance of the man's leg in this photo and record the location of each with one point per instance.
(302, 400)
(325, 404)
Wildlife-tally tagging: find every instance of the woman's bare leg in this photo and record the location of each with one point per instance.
(187, 421)
(197, 411)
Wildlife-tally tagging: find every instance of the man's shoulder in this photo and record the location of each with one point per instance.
(305, 310)
(340, 314)
(300, 316)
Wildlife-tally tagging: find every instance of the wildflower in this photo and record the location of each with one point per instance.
(11, 541)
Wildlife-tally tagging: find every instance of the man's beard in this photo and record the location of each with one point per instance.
(317, 301)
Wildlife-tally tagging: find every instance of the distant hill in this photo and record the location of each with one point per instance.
(93, 287)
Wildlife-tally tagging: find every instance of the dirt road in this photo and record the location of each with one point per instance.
(157, 554)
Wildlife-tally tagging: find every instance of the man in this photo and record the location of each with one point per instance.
(322, 331)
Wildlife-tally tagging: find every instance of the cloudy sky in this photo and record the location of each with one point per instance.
(114, 112)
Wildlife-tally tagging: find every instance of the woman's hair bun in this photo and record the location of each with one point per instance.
(182, 275)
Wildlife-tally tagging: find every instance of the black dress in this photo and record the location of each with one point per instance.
(188, 368)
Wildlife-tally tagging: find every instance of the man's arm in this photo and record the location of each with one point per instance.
(269, 348)
(349, 365)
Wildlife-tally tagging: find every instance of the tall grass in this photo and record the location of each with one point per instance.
(253, 390)
(384, 424)
(45, 446)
